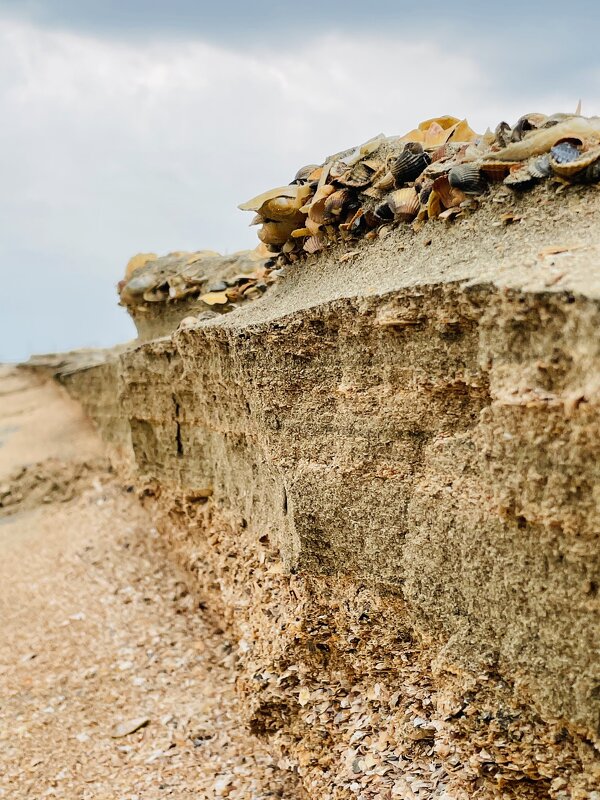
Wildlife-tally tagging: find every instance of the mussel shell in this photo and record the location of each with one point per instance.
(410, 163)
(467, 178)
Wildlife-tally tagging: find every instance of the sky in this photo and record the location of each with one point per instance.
(138, 126)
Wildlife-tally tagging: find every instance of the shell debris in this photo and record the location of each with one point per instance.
(428, 173)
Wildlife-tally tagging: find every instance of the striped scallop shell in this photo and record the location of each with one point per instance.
(410, 163)
(467, 178)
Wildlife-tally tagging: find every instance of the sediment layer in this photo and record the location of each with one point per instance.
(382, 476)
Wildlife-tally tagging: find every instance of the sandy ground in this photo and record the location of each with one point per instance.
(98, 631)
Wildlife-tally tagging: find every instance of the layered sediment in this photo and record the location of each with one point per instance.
(382, 477)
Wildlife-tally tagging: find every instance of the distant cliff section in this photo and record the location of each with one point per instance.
(383, 476)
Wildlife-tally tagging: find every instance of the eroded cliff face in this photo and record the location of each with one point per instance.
(383, 478)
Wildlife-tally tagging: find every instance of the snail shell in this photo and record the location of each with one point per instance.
(410, 163)
(467, 178)
(404, 204)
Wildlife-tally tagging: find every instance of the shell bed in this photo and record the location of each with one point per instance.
(435, 171)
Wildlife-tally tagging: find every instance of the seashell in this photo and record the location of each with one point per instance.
(257, 219)
(299, 233)
(502, 134)
(467, 178)
(280, 209)
(383, 212)
(434, 205)
(410, 163)
(528, 122)
(315, 243)
(520, 179)
(449, 195)
(497, 170)
(568, 162)
(540, 167)
(334, 204)
(541, 140)
(404, 204)
(359, 177)
(140, 284)
(157, 294)
(304, 173)
(137, 261)
(385, 183)
(275, 232)
(293, 192)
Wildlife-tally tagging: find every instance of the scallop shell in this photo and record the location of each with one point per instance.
(520, 179)
(404, 204)
(359, 177)
(540, 167)
(497, 170)
(315, 243)
(410, 163)
(335, 203)
(568, 162)
(585, 169)
(467, 178)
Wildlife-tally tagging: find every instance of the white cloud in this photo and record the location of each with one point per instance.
(108, 148)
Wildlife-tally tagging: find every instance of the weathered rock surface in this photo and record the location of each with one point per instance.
(414, 431)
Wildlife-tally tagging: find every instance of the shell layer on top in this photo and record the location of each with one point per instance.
(437, 170)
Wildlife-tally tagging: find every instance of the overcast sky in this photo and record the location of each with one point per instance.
(138, 125)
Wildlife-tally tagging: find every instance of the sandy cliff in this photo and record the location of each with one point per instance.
(382, 477)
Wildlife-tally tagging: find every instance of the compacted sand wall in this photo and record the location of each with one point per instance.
(383, 478)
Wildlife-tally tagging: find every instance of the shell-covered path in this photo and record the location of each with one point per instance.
(100, 636)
